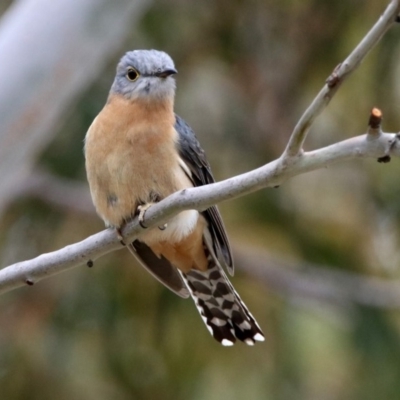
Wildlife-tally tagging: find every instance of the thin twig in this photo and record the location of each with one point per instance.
(340, 73)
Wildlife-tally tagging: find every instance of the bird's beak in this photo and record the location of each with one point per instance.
(166, 73)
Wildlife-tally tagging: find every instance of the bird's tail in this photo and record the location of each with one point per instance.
(224, 313)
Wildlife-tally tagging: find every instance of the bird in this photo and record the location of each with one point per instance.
(138, 152)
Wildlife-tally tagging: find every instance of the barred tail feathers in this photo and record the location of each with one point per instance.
(225, 315)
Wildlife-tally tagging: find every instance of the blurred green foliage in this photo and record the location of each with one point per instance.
(247, 70)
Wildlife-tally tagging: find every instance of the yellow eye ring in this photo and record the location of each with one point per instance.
(132, 74)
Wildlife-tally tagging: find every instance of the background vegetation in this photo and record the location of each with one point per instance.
(247, 70)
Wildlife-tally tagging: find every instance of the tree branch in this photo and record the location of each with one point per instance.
(374, 143)
(199, 198)
(340, 73)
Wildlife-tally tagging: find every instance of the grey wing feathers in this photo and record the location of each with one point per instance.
(195, 159)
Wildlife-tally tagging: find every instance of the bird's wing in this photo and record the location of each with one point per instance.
(160, 268)
(199, 171)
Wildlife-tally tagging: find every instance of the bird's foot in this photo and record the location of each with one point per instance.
(142, 212)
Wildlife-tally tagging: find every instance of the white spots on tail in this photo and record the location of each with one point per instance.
(259, 338)
(218, 321)
(223, 312)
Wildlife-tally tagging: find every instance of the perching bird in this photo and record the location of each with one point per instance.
(138, 152)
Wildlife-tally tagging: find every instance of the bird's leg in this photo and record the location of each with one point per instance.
(142, 212)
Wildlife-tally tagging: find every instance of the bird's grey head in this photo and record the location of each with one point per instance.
(145, 74)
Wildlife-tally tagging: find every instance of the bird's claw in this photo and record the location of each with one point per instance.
(142, 211)
(163, 227)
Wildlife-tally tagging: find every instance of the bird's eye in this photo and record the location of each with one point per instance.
(132, 74)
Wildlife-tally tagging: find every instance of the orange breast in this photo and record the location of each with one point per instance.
(131, 157)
